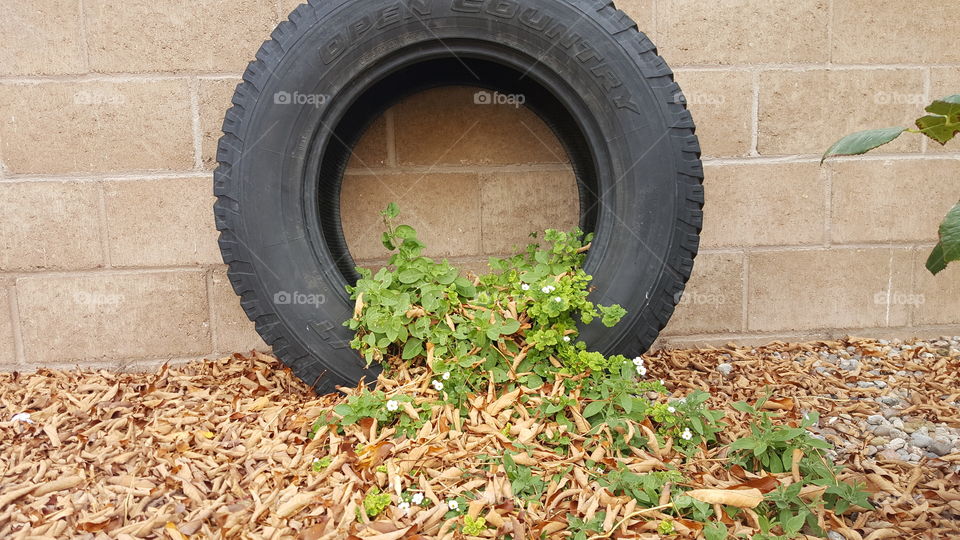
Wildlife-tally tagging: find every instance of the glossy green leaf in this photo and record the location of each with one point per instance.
(948, 249)
(862, 142)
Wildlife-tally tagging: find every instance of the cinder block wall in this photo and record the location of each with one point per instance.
(110, 111)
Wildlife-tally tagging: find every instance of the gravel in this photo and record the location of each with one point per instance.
(725, 369)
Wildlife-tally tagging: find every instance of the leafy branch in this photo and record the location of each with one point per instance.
(941, 125)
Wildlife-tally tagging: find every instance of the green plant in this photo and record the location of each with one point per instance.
(374, 502)
(579, 528)
(524, 483)
(771, 446)
(941, 125)
(513, 332)
(474, 526)
(536, 299)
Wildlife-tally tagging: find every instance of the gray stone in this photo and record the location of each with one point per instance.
(849, 364)
(834, 535)
(941, 447)
(896, 444)
(725, 369)
(880, 384)
(876, 419)
(889, 413)
(883, 430)
(870, 450)
(920, 440)
(865, 384)
(889, 401)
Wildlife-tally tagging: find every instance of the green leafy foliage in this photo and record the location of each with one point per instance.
(374, 502)
(524, 483)
(770, 446)
(474, 526)
(464, 330)
(941, 125)
(580, 528)
(948, 248)
(518, 326)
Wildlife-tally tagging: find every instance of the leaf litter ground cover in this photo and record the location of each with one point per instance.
(222, 448)
(491, 419)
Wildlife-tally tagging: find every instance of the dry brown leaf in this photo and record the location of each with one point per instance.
(739, 498)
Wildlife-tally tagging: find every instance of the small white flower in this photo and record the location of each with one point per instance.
(546, 290)
(686, 435)
(446, 375)
(662, 383)
(671, 409)
(417, 498)
(566, 338)
(525, 287)
(642, 371)
(393, 405)
(316, 459)
(22, 417)
(453, 504)
(683, 401)
(638, 361)
(437, 385)
(557, 299)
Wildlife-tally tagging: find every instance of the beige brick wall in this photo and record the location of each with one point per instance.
(110, 112)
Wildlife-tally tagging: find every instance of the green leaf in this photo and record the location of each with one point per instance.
(742, 444)
(626, 401)
(944, 122)
(593, 408)
(862, 142)
(948, 249)
(387, 241)
(412, 348)
(793, 525)
(409, 276)
(715, 531)
(948, 106)
(937, 128)
(533, 381)
(391, 211)
(405, 231)
(509, 327)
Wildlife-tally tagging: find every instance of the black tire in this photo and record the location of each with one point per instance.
(582, 66)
